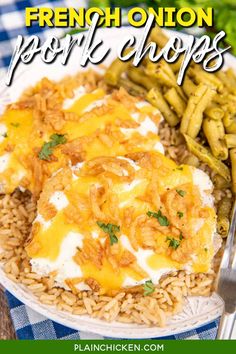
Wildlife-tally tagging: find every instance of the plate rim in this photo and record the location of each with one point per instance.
(102, 327)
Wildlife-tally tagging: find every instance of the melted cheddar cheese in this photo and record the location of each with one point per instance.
(93, 125)
(162, 215)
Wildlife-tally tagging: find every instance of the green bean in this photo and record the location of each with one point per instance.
(215, 133)
(165, 76)
(188, 86)
(162, 72)
(228, 118)
(230, 140)
(205, 156)
(213, 111)
(115, 71)
(220, 182)
(155, 97)
(132, 88)
(158, 36)
(175, 101)
(193, 115)
(138, 76)
(223, 216)
(232, 153)
(209, 79)
(177, 65)
(229, 123)
(221, 99)
(191, 160)
(228, 79)
(231, 76)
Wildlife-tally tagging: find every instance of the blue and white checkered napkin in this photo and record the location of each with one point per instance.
(12, 23)
(29, 324)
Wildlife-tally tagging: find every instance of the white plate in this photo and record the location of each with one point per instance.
(197, 311)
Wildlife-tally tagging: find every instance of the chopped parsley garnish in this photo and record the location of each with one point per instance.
(148, 287)
(181, 236)
(180, 192)
(47, 148)
(110, 229)
(45, 152)
(16, 125)
(162, 219)
(205, 249)
(4, 135)
(58, 139)
(173, 243)
(180, 214)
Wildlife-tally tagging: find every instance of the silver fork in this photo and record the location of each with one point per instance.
(226, 282)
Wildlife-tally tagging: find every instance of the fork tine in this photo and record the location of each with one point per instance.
(232, 228)
(232, 232)
(234, 261)
(227, 259)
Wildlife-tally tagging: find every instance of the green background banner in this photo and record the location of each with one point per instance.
(117, 346)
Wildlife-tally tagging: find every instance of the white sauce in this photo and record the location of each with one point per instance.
(59, 200)
(4, 160)
(79, 92)
(142, 104)
(95, 104)
(94, 235)
(145, 127)
(131, 162)
(142, 257)
(64, 264)
(159, 147)
(43, 222)
(205, 185)
(82, 286)
(127, 187)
